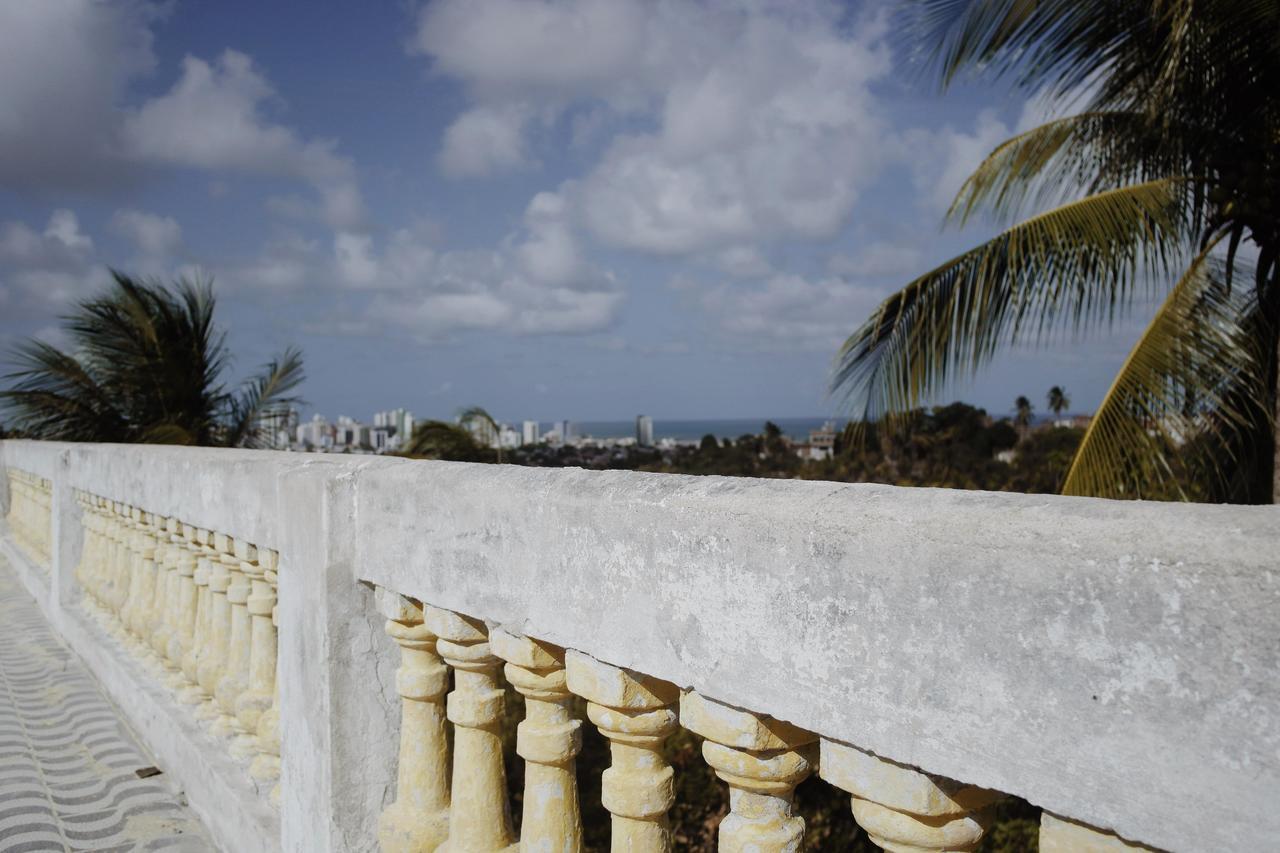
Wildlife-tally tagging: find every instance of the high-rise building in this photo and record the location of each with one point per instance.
(400, 421)
(644, 431)
(529, 432)
(568, 432)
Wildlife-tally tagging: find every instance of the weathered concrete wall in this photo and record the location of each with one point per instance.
(1115, 662)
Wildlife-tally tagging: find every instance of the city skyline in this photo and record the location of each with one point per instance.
(456, 209)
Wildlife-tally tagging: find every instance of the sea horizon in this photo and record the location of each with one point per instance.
(693, 429)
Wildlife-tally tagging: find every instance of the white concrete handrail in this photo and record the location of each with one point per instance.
(1117, 663)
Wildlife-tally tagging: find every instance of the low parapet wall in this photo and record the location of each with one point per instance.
(1117, 663)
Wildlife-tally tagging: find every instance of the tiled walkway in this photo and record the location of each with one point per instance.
(68, 764)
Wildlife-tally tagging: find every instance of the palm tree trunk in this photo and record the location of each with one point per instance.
(1271, 299)
(1275, 405)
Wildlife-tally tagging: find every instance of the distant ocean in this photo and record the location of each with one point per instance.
(796, 428)
(692, 430)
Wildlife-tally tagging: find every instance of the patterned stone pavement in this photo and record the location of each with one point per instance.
(68, 763)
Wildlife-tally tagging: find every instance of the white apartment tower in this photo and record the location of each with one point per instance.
(644, 431)
(529, 432)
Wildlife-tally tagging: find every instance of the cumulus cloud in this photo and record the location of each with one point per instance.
(536, 282)
(66, 123)
(354, 253)
(877, 260)
(763, 124)
(213, 118)
(483, 141)
(790, 311)
(46, 269)
(743, 262)
(154, 235)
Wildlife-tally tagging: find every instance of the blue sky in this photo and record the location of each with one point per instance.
(553, 208)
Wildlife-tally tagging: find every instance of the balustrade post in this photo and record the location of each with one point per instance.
(183, 610)
(122, 570)
(117, 573)
(235, 671)
(265, 767)
(165, 601)
(142, 585)
(548, 739)
(158, 614)
(637, 714)
(86, 572)
(213, 658)
(419, 818)
(1062, 835)
(479, 814)
(46, 524)
(201, 633)
(261, 683)
(904, 809)
(763, 760)
(106, 555)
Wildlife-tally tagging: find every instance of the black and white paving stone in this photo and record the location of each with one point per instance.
(68, 763)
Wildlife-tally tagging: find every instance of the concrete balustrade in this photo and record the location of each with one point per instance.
(29, 518)
(926, 652)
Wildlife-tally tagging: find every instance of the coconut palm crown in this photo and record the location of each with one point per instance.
(1058, 400)
(1162, 183)
(146, 365)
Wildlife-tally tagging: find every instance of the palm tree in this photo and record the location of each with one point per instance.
(1168, 165)
(1058, 400)
(1022, 414)
(146, 366)
(442, 440)
(482, 425)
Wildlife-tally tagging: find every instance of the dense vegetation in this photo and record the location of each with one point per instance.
(953, 446)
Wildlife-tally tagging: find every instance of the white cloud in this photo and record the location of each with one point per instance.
(536, 283)
(289, 261)
(484, 140)
(213, 118)
(356, 264)
(68, 66)
(506, 47)
(743, 262)
(878, 260)
(791, 312)
(763, 125)
(50, 268)
(155, 236)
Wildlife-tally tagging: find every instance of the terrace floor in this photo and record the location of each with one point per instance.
(68, 762)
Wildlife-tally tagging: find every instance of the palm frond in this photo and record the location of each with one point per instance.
(262, 396)
(442, 440)
(54, 396)
(1068, 43)
(482, 424)
(1066, 158)
(1180, 384)
(1076, 265)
